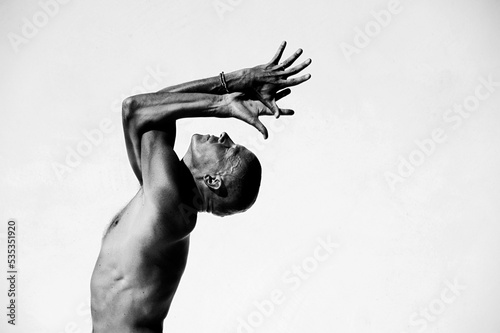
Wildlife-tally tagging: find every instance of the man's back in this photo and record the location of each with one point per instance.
(137, 272)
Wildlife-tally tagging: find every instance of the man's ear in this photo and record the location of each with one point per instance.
(213, 182)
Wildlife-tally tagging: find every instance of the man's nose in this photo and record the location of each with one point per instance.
(223, 137)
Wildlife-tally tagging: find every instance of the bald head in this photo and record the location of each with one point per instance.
(241, 185)
(228, 175)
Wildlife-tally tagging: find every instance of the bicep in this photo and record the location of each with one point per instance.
(133, 136)
(159, 166)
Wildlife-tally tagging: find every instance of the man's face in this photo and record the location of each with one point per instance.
(213, 154)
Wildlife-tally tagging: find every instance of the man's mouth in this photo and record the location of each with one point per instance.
(210, 137)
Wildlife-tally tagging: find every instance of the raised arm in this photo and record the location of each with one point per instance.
(213, 85)
(255, 92)
(159, 111)
(261, 82)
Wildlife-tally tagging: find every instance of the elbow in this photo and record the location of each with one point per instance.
(128, 109)
(131, 118)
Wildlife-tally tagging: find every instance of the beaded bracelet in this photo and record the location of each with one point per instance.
(223, 82)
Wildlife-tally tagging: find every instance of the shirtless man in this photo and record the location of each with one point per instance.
(145, 248)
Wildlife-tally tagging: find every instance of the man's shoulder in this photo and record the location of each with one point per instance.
(159, 163)
(162, 181)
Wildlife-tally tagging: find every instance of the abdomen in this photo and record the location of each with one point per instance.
(132, 287)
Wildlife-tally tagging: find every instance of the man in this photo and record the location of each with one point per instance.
(144, 250)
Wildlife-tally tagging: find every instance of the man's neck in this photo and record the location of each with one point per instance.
(191, 195)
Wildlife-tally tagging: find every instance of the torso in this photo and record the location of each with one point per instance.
(137, 272)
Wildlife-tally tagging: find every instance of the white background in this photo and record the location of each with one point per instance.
(324, 169)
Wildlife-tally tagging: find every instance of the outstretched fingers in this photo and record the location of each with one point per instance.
(279, 53)
(297, 69)
(283, 112)
(270, 105)
(295, 81)
(287, 112)
(282, 93)
(290, 60)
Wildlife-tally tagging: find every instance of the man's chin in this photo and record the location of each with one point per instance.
(196, 141)
(195, 138)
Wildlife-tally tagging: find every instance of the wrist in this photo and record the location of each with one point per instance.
(237, 80)
(223, 106)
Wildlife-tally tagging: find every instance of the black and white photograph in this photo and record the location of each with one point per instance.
(245, 166)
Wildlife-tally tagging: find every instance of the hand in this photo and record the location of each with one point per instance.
(248, 110)
(264, 82)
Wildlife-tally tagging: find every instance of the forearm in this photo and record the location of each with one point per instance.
(156, 110)
(159, 111)
(235, 82)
